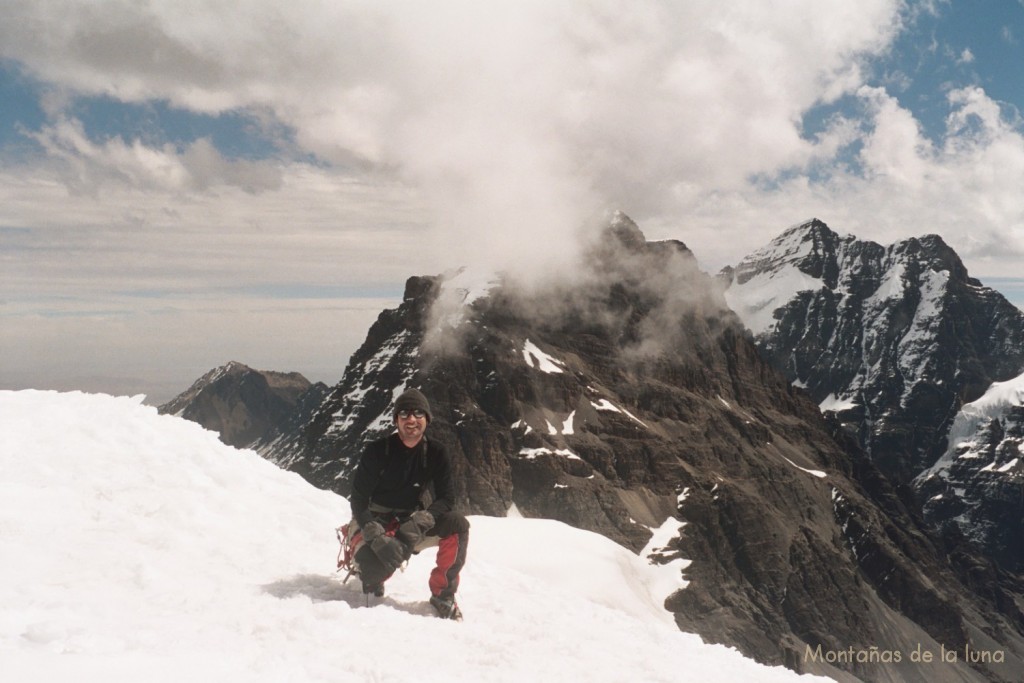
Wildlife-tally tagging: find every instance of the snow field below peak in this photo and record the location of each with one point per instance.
(138, 547)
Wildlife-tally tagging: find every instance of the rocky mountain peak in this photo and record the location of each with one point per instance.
(895, 343)
(932, 252)
(420, 287)
(239, 403)
(622, 228)
(893, 339)
(814, 232)
(809, 247)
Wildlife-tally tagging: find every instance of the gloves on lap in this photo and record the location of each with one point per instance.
(390, 551)
(393, 551)
(413, 530)
(372, 530)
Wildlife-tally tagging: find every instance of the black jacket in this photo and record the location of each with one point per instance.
(392, 476)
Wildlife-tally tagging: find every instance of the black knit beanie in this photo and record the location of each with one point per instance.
(412, 399)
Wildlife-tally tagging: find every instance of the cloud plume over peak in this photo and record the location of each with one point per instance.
(648, 300)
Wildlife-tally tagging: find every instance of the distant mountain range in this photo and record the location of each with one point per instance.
(897, 341)
(630, 393)
(894, 339)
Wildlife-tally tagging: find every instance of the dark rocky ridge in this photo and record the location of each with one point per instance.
(633, 395)
(241, 404)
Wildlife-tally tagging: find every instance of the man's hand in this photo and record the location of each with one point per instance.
(390, 551)
(372, 531)
(423, 519)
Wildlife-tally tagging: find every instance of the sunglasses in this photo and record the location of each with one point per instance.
(406, 414)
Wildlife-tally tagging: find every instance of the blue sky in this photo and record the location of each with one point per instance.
(945, 47)
(181, 189)
(979, 42)
(236, 133)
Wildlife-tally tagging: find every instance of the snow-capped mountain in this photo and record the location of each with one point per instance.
(894, 339)
(244, 405)
(624, 396)
(137, 547)
(977, 486)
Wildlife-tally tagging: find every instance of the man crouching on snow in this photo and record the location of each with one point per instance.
(402, 499)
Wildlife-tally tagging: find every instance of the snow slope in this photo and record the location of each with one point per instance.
(138, 547)
(767, 289)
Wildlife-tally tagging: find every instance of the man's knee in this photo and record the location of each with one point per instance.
(449, 523)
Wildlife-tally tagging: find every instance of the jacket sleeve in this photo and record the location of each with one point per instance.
(364, 481)
(444, 488)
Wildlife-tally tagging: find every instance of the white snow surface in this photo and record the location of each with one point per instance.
(605, 404)
(531, 453)
(833, 402)
(471, 283)
(544, 362)
(816, 473)
(138, 547)
(757, 299)
(892, 286)
(567, 427)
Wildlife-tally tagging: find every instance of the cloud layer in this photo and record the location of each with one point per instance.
(420, 137)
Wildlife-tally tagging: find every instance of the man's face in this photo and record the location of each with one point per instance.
(411, 424)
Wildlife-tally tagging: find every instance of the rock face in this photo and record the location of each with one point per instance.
(894, 339)
(628, 394)
(241, 404)
(977, 488)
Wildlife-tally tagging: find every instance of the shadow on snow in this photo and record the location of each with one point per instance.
(321, 588)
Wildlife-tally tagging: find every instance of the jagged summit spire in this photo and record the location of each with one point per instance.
(810, 247)
(814, 224)
(625, 230)
(933, 251)
(813, 229)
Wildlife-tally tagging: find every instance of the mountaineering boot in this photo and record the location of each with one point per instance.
(376, 589)
(446, 608)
